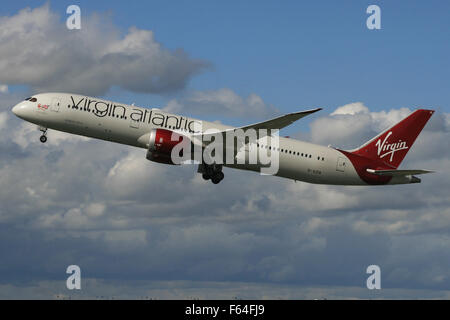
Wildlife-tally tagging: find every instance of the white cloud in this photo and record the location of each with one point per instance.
(9, 100)
(3, 119)
(353, 124)
(224, 102)
(351, 108)
(106, 206)
(95, 209)
(38, 50)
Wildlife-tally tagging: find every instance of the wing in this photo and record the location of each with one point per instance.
(272, 124)
(280, 122)
(394, 173)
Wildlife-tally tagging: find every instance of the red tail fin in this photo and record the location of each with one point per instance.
(392, 145)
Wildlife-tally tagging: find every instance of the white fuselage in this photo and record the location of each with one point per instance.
(130, 125)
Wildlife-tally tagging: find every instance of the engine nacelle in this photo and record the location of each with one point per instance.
(161, 144)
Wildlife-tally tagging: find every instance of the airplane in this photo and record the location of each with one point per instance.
(373, 163)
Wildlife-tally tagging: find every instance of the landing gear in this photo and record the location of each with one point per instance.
(43, 137)
(213, 172)
(217, 177)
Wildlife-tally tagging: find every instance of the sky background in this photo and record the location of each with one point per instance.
(141, 229)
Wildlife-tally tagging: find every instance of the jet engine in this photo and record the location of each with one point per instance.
(161, 144)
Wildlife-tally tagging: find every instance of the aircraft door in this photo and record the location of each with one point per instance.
(340, 166)
(56, 102)
(134, 123)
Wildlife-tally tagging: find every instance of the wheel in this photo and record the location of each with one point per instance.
(216, 178)
(43, 139)
(209, 171)
(206, 176)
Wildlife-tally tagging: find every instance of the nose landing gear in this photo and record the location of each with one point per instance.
(43, 137)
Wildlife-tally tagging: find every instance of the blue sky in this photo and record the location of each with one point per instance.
(299, 54)
(138, 228)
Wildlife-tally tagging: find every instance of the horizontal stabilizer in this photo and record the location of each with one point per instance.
(393, 173)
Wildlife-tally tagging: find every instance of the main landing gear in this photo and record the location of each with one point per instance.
(213, 172)
(43, 137)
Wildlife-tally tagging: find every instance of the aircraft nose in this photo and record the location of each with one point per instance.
(15, 109)
(19, 109)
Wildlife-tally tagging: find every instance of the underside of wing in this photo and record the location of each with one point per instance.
(394, 173)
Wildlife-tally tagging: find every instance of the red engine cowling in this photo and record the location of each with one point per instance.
(161, 144)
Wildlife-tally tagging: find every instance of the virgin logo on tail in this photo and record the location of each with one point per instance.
(385, 148)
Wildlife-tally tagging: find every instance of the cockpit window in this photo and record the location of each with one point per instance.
(27, 99)
(33, 99)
